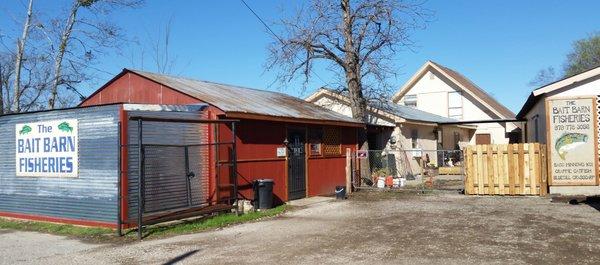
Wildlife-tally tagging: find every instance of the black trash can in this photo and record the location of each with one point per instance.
(263, 193)
(340, 192)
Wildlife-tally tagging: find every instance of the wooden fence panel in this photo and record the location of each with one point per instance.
(508, 169)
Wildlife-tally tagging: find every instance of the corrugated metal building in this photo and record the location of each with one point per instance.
(90, 194)
(315, 138)
(299, 145)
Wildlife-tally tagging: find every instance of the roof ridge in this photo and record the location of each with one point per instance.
(482, 90)
(206, 81)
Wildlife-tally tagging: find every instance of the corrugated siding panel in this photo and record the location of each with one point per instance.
(92, 196)
(165, 166)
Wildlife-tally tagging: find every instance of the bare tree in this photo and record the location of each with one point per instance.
(20, 55)
(159, 48)
(7, 68)
(56, 53)
(543, 77)
(82, 38)
(584, 55)
(356, 39)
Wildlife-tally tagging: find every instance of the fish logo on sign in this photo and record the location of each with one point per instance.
(65, 127)
(568, 142)
(25, 129)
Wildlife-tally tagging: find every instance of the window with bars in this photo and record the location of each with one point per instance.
(315, 137)
(331, 144)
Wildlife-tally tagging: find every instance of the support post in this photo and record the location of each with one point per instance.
(234, 168)
(348, 171)
(188, 187)
(140, 180)
(119, 191)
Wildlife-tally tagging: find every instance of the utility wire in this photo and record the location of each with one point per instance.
(278, 38)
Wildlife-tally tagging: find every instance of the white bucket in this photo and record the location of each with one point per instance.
(402, 182)
(381, 183)
(396, 183)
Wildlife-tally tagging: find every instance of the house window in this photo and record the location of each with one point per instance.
(455, 106)
(332, 139)
(410, 101)
(414, 136)
(315, 137)
(456, 140)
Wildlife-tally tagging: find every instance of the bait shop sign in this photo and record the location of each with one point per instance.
(47, 149)
(572, 141)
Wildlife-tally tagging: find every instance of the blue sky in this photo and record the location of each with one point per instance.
(500, 45)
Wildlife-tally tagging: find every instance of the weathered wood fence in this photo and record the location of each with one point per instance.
(506, 169)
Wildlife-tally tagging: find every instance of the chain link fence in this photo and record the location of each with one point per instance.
(401, 169)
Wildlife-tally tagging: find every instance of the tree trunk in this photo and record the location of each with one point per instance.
(19, 57)
(358, 104)
(62, 47)
(2, 89)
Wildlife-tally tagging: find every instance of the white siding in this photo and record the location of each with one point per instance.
(588, 88)
(433, 92)
(345, 110)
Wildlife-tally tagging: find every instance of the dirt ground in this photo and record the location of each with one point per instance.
(370, 227)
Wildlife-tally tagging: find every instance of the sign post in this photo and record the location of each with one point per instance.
(572, 141)
(47, 149)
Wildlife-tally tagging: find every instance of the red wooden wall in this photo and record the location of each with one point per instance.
(132, 88)
(257, 158)
(257, 142)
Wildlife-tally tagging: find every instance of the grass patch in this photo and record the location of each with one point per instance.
(217, 221)
(96, 234)
(55, 229)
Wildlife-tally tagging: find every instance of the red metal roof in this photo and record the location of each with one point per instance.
(237, 99)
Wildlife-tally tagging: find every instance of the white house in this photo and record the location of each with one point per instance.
(445, 92)
(568, 175)
(397, 127)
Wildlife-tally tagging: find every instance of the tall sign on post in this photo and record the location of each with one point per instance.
(47, 149)
(572, 141)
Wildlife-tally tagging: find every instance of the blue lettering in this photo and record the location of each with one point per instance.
(20, 146)
(46, 144)
(71, 144)
(22, 163)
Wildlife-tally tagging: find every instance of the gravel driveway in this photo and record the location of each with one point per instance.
(371, 227)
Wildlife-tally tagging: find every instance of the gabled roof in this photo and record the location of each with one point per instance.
(233, 99)
(462, 82)
(538, 93)
(387, 108)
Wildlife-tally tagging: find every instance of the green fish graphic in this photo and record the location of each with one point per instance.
(65, 127)
(25, 130)
(569, 141)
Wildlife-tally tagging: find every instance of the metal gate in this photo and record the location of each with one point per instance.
(169, 181)
(296, 165)
(413, 168)
(169, 165)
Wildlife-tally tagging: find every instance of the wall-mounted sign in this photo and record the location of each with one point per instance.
(47, 149)
(281, 152)
(572, 141)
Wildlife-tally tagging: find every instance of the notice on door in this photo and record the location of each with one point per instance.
(572, 141)
(47, 149)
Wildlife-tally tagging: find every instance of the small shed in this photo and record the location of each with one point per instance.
(564, 116)
(300, 145)
(70, 165)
